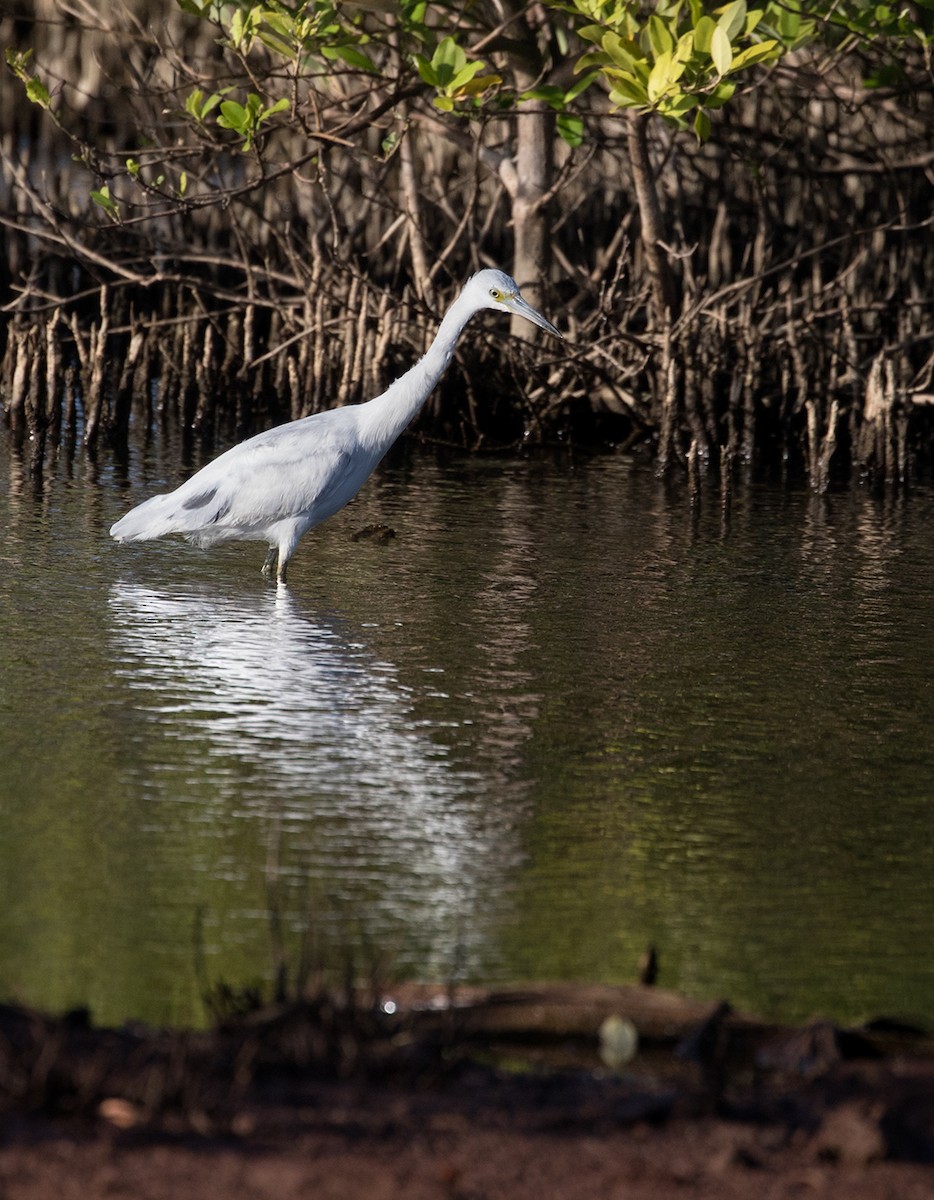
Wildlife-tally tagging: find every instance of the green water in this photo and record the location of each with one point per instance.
(557, 718)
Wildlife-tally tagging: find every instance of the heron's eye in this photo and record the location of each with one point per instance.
(496, 293)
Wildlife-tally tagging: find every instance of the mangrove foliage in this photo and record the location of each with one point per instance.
(243, 212)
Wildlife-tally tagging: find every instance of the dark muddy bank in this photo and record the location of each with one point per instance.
(467, 1095)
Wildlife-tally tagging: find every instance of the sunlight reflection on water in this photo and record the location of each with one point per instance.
(293, 718)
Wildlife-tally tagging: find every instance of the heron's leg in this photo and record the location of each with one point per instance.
(272, 556)
(286, 550)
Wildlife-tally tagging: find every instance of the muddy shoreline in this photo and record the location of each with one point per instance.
(469, 1095)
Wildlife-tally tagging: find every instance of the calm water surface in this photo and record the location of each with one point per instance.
(557, 718)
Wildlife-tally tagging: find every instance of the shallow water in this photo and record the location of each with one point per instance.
(557, 718)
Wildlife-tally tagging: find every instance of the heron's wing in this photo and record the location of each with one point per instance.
(300, 471)
(307, 468)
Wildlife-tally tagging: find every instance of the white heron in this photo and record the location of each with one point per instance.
(276, 486)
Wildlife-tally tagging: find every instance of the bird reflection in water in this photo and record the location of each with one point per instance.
(279, 715)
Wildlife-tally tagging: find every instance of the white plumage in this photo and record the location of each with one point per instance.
(276, 486)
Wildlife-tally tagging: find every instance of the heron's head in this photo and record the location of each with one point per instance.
(496, 289)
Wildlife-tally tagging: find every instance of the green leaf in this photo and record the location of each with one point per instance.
(721, 51)
(660, 36)
(621, 51)
(480, 84)
(732, 19)
(447, 60)
(276, 44)
(761, 52)
(685, 47)
(722, 93)
(580, 86)
(676, 107)
(703, 34)
(353, 56)
(452, 74)
(592, 33)
(233, 116)
(281, 24)
(626, 91)
(414, 12)
(198, 107)
(549, 93)
(660, 76)
(793, 28)
(464, 75)
(592, 59)
(570, 128)
(104, 200)
(16, 60)
(38, 93)
(426, 71)
(279, 106)
(243, 27)
(236, 28)
(211, 103)
(701, 125)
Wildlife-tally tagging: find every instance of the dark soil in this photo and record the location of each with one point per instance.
(498, 1097)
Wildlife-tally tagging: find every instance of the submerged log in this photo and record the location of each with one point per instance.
(549, 1011)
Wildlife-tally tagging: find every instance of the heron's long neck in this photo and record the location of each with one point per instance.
(383, 419)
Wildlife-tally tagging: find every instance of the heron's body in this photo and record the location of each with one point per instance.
(276, 486)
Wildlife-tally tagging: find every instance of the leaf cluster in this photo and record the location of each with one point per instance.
(453, 76)
(680, 60)
(36, 91)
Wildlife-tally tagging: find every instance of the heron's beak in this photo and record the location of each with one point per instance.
(524, 309)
